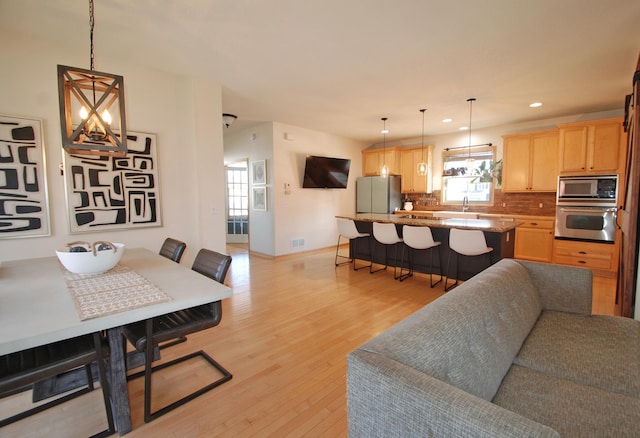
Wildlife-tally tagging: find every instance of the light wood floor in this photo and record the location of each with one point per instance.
(284, 335)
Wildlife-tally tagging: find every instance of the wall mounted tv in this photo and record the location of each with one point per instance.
(325, 173)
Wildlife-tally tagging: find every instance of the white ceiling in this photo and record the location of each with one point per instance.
(338, 66)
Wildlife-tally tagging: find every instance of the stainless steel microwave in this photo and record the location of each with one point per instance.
(589, 188)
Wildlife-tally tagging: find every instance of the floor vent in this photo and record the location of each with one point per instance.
(297, 243)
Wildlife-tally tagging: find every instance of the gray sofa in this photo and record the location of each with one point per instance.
(512, 352)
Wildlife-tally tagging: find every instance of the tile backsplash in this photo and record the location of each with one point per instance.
(534, 204)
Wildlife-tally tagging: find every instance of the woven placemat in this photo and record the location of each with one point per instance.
(111, 292)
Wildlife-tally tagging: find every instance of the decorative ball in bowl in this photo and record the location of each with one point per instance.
(85, 258)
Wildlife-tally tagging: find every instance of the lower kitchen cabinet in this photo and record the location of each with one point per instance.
(534, 239)
(602, 258)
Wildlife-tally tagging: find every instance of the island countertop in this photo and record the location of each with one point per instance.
(491, 225)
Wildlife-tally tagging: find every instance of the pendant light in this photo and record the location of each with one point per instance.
(422, 165)
(384, 171)
(92, 111)
(469, 159)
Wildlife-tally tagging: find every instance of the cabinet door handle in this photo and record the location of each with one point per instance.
(534, 223)
(582, 261)
(582, 252)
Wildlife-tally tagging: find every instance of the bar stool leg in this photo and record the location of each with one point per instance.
(433, 248)
(448, 287)
(402, 276)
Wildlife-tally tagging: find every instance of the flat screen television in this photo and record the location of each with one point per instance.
(325, 173)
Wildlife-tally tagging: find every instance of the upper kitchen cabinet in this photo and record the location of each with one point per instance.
(409, 160)
(592, 147)
(373, 160)
(530, 162)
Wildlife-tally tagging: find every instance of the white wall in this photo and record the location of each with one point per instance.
(307, 214)
(189, 148)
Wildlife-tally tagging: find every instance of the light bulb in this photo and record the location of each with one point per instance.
(106, 117)
(83, 113)
(422, 169)
(384, 172)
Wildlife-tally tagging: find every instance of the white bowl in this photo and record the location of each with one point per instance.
(88, 263)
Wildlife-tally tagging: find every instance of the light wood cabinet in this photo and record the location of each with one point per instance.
(534, 239)
(411, 182)
(592, 147)
(530, 162)
(373, 160)
(602, 258)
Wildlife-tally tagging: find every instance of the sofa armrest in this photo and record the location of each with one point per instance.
(388, 399)
(562, 288)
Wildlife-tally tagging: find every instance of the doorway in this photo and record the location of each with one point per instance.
(237, 176)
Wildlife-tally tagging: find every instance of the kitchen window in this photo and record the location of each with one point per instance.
(468, 172)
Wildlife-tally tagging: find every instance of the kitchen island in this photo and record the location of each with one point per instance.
(500, 235)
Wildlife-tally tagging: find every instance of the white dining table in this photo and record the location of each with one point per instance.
(37, 308)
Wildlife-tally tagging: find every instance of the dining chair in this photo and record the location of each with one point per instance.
(178, 324)
(173, 249)
(415, 239)
(347, 229)
(22, 369)
(470, 243)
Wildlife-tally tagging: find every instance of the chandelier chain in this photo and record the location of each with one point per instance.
(91, 25)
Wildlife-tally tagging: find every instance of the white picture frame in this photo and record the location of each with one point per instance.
(260, 198)
(259, 172)
(114, 193)
(24, 199)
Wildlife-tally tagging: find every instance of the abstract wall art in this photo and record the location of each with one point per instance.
(24, 210)
(110, 193)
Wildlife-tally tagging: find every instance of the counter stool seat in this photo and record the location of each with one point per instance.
(419, 238)
(347, 229)
(470, 243)
(387, 235)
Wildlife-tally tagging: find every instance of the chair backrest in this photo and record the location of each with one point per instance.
(418, 237)
(347, 228)
(212, 264)
(173, 249)
(386, 234)
(468, 242)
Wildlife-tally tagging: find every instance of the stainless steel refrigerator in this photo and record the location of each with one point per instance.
(375, 194)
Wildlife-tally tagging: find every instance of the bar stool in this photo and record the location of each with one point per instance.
(347, 228)
(419, 238)
(467, 243)
(387, 235)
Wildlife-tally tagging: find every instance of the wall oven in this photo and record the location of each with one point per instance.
(586, 208)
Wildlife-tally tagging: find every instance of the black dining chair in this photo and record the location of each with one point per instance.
(22, 369)
(173, 249)
(179, 324)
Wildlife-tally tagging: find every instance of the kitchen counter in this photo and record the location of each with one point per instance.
(497, 225)
(499, 234)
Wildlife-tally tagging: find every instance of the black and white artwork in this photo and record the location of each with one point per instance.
(24, 210)
(109, 193)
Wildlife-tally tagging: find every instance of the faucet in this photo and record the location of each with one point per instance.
(465, 203)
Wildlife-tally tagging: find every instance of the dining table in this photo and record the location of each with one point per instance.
(40, 304)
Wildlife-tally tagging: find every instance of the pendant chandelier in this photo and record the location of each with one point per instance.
(384, 171)
(422, 165)
(92, 110)
(469, 158)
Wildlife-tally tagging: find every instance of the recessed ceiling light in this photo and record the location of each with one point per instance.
(447, 120)
(464, 128)
(536, 104)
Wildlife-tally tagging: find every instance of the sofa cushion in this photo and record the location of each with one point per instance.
(572, 409)
(469, 336)
(598, 350)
